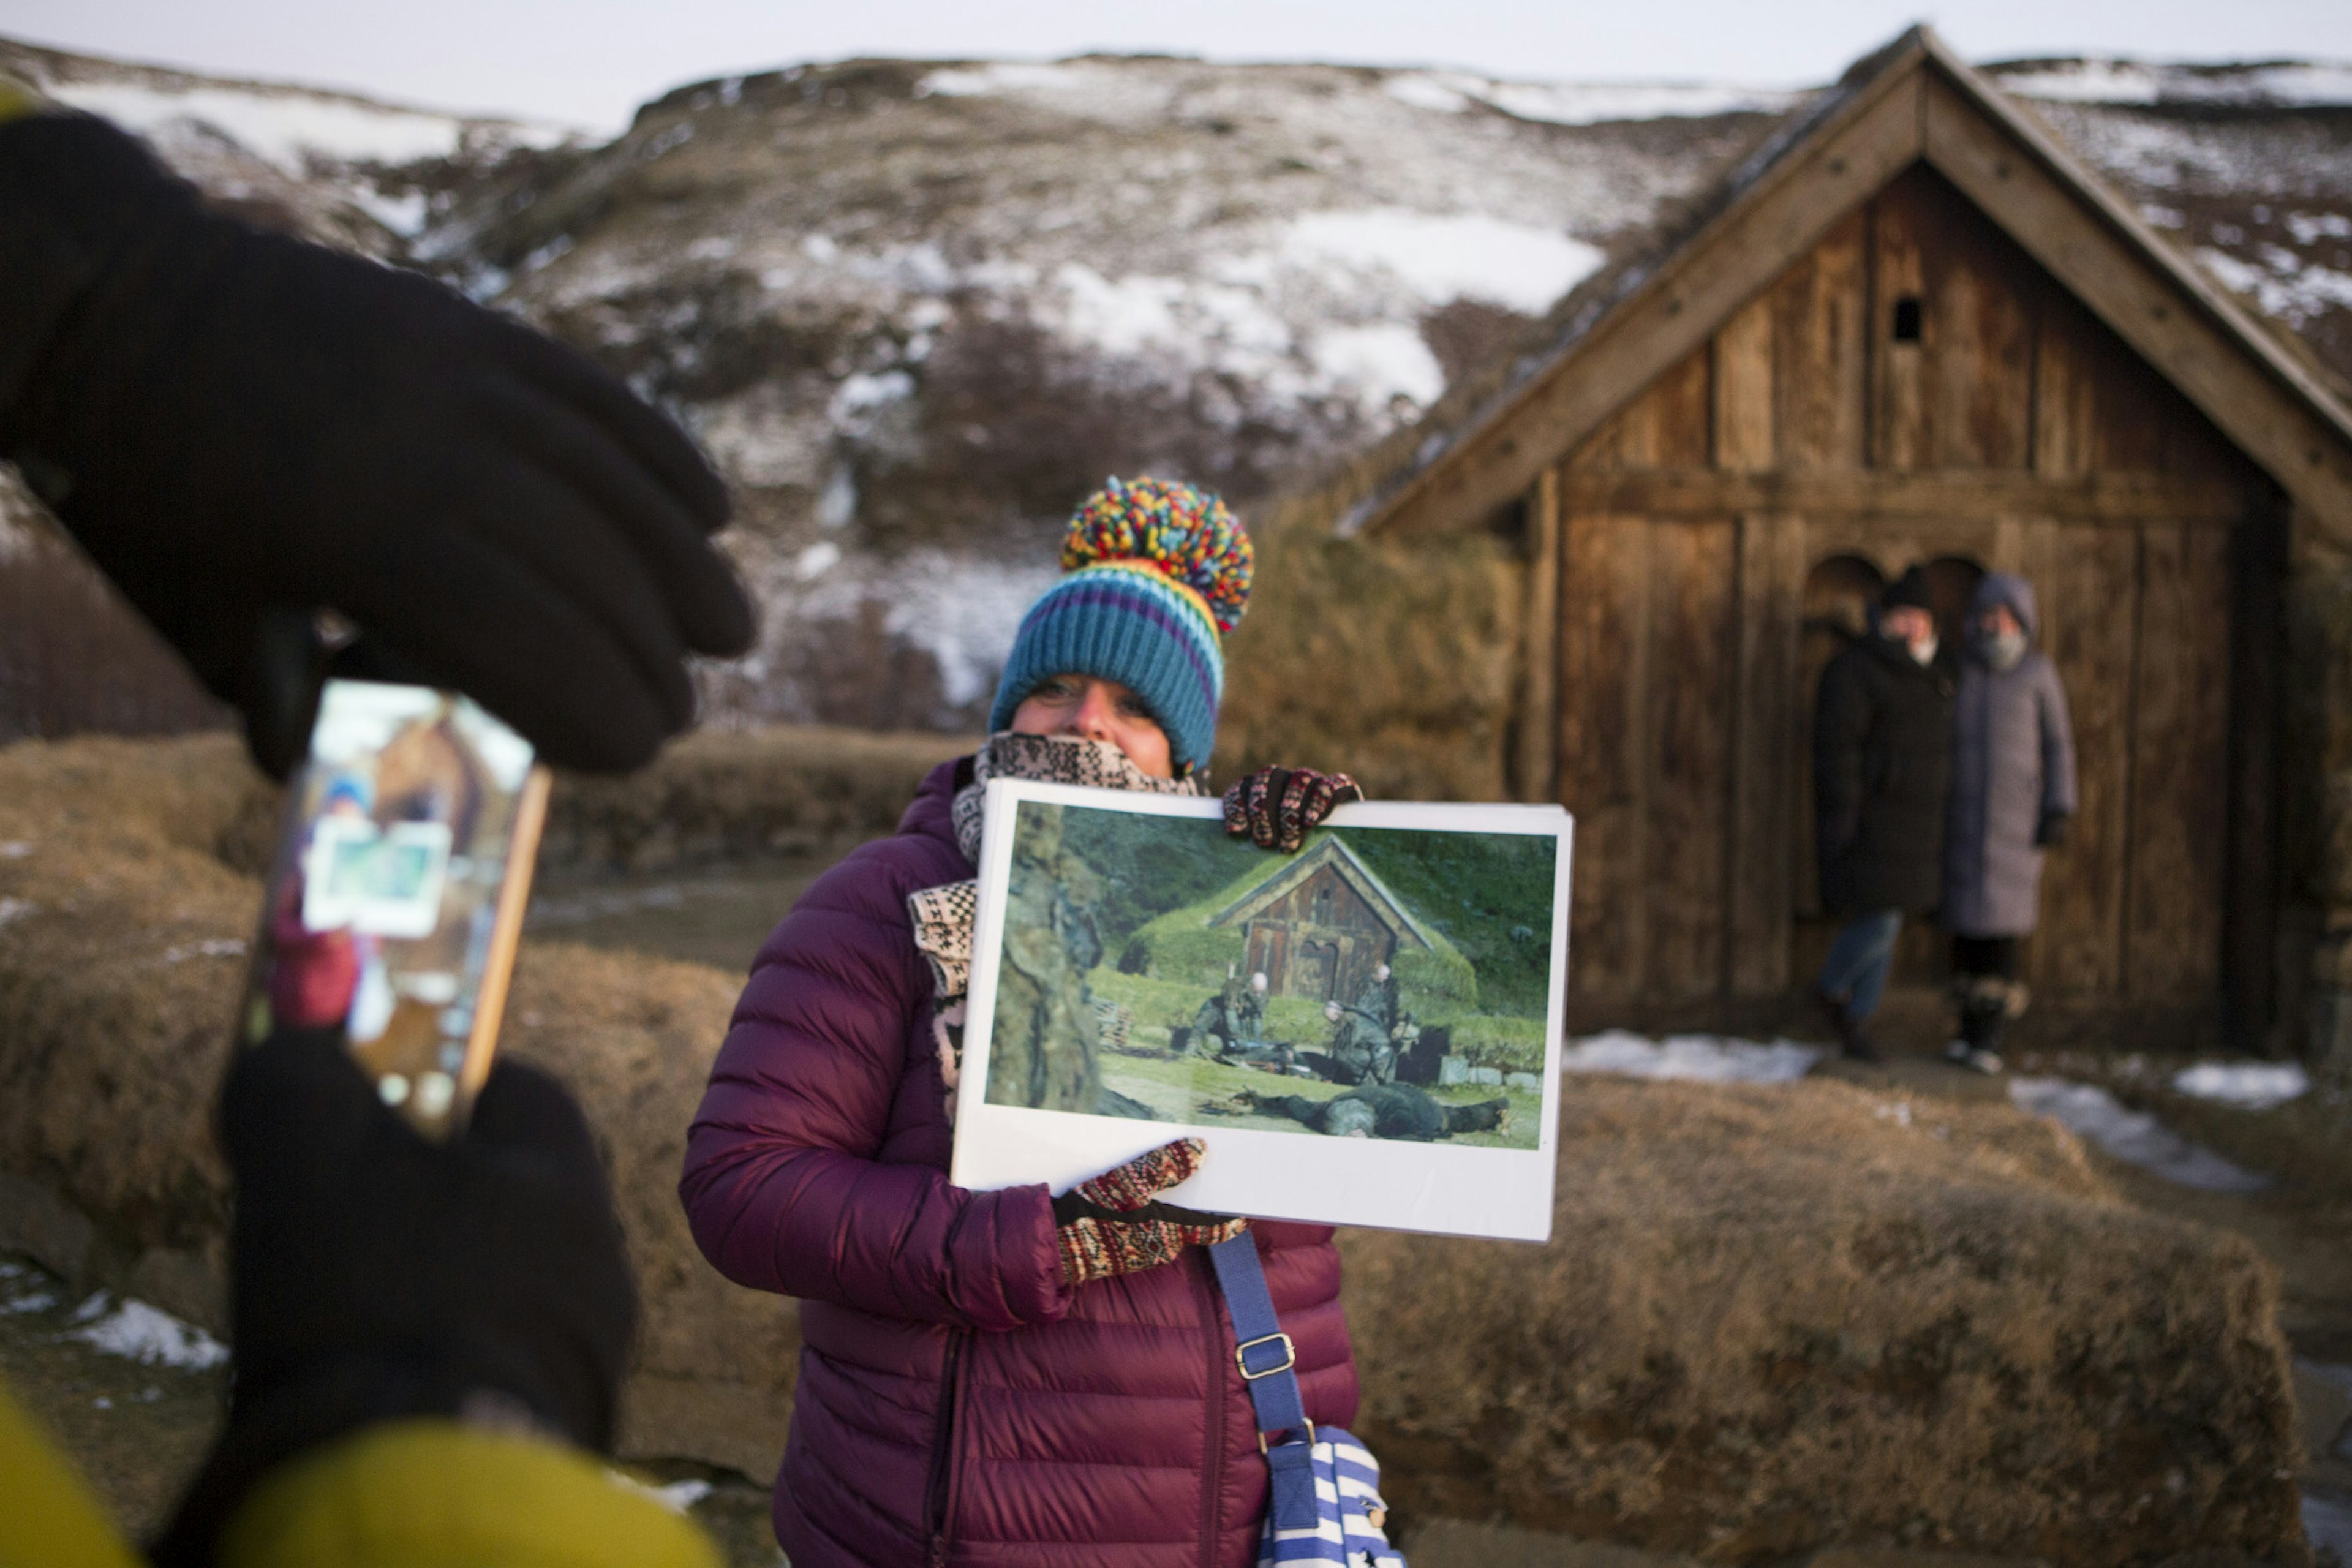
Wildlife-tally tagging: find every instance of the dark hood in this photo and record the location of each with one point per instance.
(2005, 588)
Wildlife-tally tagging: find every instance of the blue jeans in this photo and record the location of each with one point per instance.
(1855, 971)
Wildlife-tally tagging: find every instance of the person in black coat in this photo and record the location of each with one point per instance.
(1882, 766)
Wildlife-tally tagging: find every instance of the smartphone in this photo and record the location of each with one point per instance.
(396, 897)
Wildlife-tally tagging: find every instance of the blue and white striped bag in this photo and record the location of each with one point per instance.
(1323, 1500)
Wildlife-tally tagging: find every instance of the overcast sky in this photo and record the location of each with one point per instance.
(589, 62)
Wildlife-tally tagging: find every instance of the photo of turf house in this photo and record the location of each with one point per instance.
(1155, 968)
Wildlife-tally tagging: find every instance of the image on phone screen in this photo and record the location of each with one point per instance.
(398, 891)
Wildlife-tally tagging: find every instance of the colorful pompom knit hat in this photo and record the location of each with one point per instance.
(1155, 573)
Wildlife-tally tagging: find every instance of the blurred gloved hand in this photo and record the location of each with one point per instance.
(2051, 831)
(1112, 1224)
(376, 1275)
(1277, 808)
(237, 425)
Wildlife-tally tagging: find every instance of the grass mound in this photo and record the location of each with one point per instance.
(1768, 1319)
(127, 893)
(1772, 1320)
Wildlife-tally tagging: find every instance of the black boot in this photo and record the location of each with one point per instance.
(1984, 1017)
(1853, 1039)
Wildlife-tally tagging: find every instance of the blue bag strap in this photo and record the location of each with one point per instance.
(1265, 1357)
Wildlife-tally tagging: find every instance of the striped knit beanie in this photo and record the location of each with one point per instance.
(1156, 571)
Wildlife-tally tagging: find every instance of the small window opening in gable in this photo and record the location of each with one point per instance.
(1906, 319)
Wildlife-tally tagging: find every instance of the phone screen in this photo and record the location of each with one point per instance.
(398, 892)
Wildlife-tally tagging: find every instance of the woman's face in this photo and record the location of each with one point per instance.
(1096, 709)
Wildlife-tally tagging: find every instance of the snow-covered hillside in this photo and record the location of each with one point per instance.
(917, 308)
(341, 167)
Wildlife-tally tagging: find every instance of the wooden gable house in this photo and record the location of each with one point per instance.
(1914, 328)
(1320, 924)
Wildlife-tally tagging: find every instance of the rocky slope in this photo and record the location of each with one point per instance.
(914, 308)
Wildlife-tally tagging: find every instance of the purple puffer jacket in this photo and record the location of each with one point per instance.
(957, 1401)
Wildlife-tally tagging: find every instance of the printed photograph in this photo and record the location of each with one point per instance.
(1380, 984)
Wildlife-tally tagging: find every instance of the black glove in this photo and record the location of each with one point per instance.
(377, 1276)
(2051, 830)
(235, 424)
(1277, 808)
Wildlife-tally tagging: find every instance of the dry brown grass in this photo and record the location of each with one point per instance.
(713, 1375)
(114, 1022)
(728, 793)
(1770, 1319)
(113, 1010)
(1393, 663)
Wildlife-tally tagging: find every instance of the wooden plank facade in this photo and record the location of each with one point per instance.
(1916, 333)
(1915, 390)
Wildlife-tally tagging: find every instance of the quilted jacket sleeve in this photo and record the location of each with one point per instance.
(2060, 797)
(783, 1186)
(1841, 732)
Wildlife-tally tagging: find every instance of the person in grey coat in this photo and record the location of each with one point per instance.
(2013, 792)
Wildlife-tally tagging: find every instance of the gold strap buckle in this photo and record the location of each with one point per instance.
(1310, 1434)
(1240, 1356)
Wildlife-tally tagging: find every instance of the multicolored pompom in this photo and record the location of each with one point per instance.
(1184, 532)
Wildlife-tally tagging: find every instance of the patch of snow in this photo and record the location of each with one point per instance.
(15, 849)
(1443, 256)
(1001, 77)
(141, 1333)
(403, 214)
(861, 394)
(210, 947)
(2283, 286)
(2308, 84)
(712, 247)
(1706, 1059)
(2133, 1136)
(2138, 82)
(1591, 103)
(1898, 1112)
(2157, 216)
(555, 249)
(1426, 91)
(284, 127)
(1580, 103)
(964, 613)
(1382, 363)
(817, 560)
(668, 141)
(2085, 81)
(14, 909)
(679, 1497)
(2328, 1524)
(2256, 1086)
(2311, 227)
(1122, 317)
(837, 507)
(38, 1302)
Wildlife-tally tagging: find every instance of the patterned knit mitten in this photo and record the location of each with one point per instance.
(1112, 1224)
(1278, 807)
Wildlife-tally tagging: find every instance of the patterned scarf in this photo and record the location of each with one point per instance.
(943, 916)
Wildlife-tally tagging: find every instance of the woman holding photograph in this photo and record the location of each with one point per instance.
(1006, 1377)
